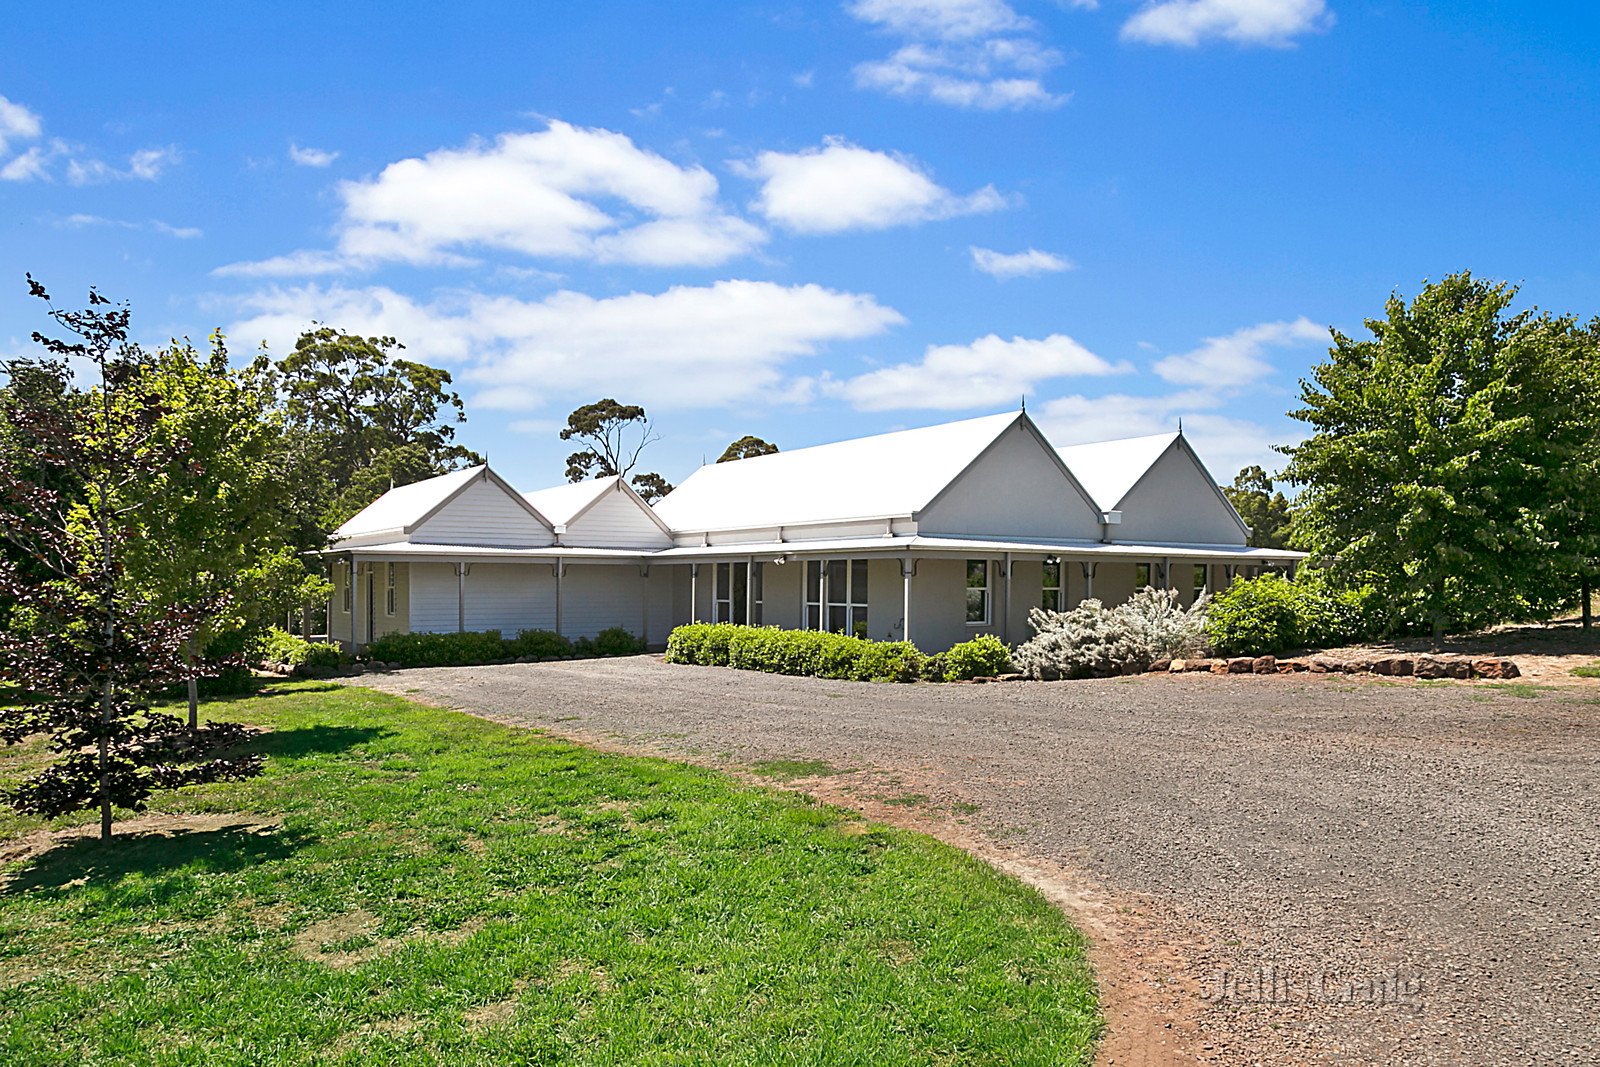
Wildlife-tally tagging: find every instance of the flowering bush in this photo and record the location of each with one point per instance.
(1093, 641)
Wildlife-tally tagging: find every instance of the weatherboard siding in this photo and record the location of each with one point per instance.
(484, 514)
(1015, 489)
(616, 521)
(1175, 502)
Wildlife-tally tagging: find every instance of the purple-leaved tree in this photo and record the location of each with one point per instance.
(82, 654)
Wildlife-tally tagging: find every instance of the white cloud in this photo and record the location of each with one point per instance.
(977, 54)
(565, 192)
(688, 347)
(1236, 358)
(29, 166)
(844, 187)
(183, 233)
(147, 164)
(1004, 265)
(988, 372)
(311, 157)
(1226, 444)
(943, 19)
(17, 123)
(1188, 23)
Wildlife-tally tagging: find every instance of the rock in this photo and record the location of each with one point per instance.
(1160, 665)
(1264, 665)
(1429, 667)
(982, 679)
(1219, 666)
(1010, 677)
(1458, 668)
(1177, 666)
(1289, 668)
(1241, 665)
(1322, 665)
(1193, 666)
(1402, 667)
(1495, 668)
(1382, 665)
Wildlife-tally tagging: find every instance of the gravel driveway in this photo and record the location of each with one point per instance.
(1283, 869)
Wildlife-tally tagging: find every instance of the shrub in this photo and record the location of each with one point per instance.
(795, 652)
(983, 656)
(439, 650)
(1271, 614)
(278, 649)
(537, 643)
(616, 641)
(1093, 641)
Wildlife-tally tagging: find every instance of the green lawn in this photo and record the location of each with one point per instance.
(410, 885)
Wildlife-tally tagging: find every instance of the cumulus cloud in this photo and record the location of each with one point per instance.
(688, 347)
(989, 372)
(1236, 359)
(565, 192)
(1003, 265)
(841, 186)
(310, 157)
(20, 124)
(976, 54)
(1188, 23)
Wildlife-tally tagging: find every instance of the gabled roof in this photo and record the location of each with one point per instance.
(887, 475)
(1110, 469)
(406, 507)
(563, 505)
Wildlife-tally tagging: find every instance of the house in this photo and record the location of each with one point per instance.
(933, 535)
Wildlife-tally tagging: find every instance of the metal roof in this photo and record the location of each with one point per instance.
(406, 505)
(885, 475)
(1109, 469)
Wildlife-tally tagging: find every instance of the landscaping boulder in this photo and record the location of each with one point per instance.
(1264, 665)
(1241, 665)
(1429, 667)
(1177, 666)
(1495, 668)
(1194, 666)
(1322, 665)
(1458, 668)
(1160, 665)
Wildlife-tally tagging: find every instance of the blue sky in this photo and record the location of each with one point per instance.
(805, 221)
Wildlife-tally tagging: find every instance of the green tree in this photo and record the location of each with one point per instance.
(1569, 434)
(1264, 510)
(216, 519)
(363, 419)
(613, 437)
(745, 448)
(1424, 473)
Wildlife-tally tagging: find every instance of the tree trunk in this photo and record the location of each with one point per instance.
(105, 753)
(194, 692)
(1588, 592)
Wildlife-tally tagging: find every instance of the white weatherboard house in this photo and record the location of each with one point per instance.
(933, 535)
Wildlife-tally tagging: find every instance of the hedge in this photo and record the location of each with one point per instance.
(489, 646)
(812, 653)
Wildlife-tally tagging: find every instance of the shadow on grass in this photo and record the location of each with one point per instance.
(155, 853)
(273, 688)
(313, 740)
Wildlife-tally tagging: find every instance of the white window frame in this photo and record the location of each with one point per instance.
(349, 587)
(390, 594)
(987, 589)
(853, 601)
(1058, 587)
(728, 608)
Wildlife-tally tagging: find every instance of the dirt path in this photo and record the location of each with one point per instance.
(1281, 870)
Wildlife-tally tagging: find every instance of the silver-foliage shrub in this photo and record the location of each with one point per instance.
(1093, 640)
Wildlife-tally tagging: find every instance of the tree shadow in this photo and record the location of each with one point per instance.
(312, 740)
(213, 845)
(270, 691)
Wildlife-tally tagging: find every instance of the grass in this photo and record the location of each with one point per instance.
(1590, 671)
(407, 885)
(787, 770)
(1525, 690)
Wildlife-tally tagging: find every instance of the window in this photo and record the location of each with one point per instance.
(349, 587)
(1050, 594)
(388, 590)
(977, 592)
(843, 582)
(1141, 576)
(1200, 582)
(738, 588)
